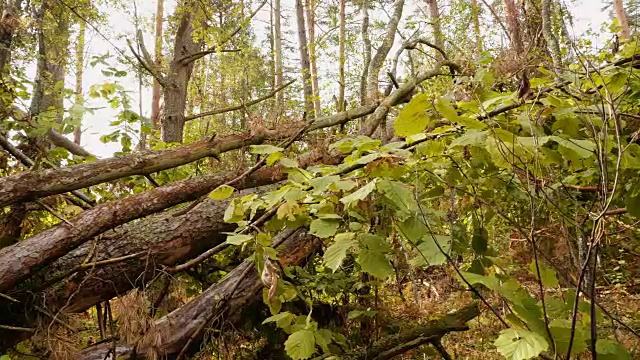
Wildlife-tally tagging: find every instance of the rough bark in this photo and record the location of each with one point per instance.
(10, 22)
(366, 51)
(175, 92)
(277, 15)
(79, 48)
(438, 39)
(381, 54)
(430, 332)
(155, 100)
(550, 37)
(311, 26)
(32, 185)
(11, 225)
(475, 14)
(341, 57)
(21, 260)
(305, 66)
(513, 24)
(621, 15)
(225, 299)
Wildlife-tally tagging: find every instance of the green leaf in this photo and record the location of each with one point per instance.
(221, 192)
(583, 148)
(399, 194)
(561, 331)
(282, 319)
(238, 239)
(288, 163)
(324, 228)
(520, 344)
(265, 149)
(470, 138)
(336, 253)
(489, 281)
(632, 203)
(610, 350)
(301, 344)
(547, 274)
(359, 194)
(446, 110)
(431, 254)
(479, 240)
(413, 229)
(375, 263)
(413, 118)
(323, 339)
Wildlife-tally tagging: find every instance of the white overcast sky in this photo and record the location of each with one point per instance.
(587, 14)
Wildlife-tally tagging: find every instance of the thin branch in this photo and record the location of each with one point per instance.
(17, 328)
(197, 55)
(149, 68)
(240, 106)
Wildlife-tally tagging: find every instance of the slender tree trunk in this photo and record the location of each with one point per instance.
(550, 36)
(77, 131)
(341, 58)
(475, 13)
(621, 15)
(434, 13)
(381, 54)
(155, 102)
(513, 23)
(305, 65)
(277, 14)
(366, 51)
(311, 26)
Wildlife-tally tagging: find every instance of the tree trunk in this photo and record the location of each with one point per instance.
(182, 328)
(550, 37)
(77, 131)
(475, 14)
(155, 102)
(10, 21)
(513, 23)
(305, 65)
(366, 51)
(438, 39)
(381, 54)
(311, 25)
(277, 15)
(621, 15)
(341, 57)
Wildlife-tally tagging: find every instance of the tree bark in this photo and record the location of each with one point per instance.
(227, 299)
(381, 54)
(305, 66)
(279, 81)
(513, 23)
(155, 101)
(341, 57)
(475, 14)
(366, 51)
(621, 15)
(438, 39)
(550, 37)
(311, 25)
(175, 93)
(77, 131)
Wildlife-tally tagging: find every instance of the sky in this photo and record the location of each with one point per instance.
(587, 15)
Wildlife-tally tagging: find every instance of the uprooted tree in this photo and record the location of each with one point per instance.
(256, 209)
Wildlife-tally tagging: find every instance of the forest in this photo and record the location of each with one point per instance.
(319, 179)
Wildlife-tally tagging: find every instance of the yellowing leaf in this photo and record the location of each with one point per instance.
(359, 194)
(520, 344)
(336, 253)
(265, 149)
(324, 228)
(301, 344)
(413, 118)
(238, 239)
(221, 192)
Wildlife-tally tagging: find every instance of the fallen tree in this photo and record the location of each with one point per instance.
(180, 330)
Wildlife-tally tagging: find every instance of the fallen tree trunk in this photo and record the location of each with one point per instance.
(430, 332)
(182, 328)
(19, 261)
